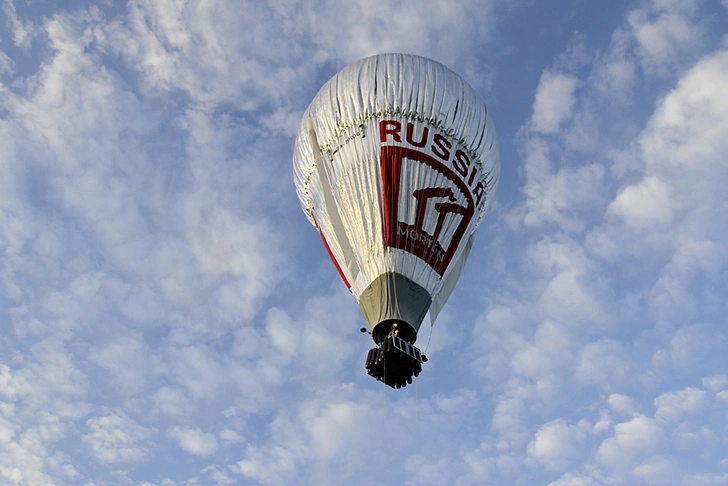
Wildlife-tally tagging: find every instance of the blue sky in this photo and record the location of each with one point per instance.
(169, 317)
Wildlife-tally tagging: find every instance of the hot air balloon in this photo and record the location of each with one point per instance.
(395, 163)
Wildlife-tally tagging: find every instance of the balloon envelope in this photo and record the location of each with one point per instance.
(396, 162)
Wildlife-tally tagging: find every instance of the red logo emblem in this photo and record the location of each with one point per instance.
(427, 207)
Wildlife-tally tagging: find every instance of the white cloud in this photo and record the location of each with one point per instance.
(602, 362)
(219, 475)
(281, 331)
(656, 470)
(225, 245)
(22, 452)
(22, 31)
(561, 198)
(39, 403)
(332, 427)
(116, 438)
(194, 441)
(129, 362)
(572, 283)
(673, 406)
(621, 403)
(7, 66)
(230, 436)
(557, 444)
(172, 402)
(267, 467)
(550, 349)
(688, 348)
(705, 479)
(646, 206)
(198, 369)
(683, 142)
(570, 479)
(616, 71)
(633, 441)
(716, 382)
(682, 145)
(384, 26)
(665, 31)
(673, 216)
(554, 103)
(459, 403)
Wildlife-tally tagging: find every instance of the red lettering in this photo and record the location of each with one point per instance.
(390, 127)
(461, 163)
(423, 139)
(478, 193)
(444, 151)
(472, 175)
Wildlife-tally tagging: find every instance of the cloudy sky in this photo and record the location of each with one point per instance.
(169, 317)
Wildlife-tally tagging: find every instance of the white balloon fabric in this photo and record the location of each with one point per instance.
(396, 162)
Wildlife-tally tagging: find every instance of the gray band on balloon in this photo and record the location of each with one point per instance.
(393, 298)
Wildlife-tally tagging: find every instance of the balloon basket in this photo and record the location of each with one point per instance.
(394, 362)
